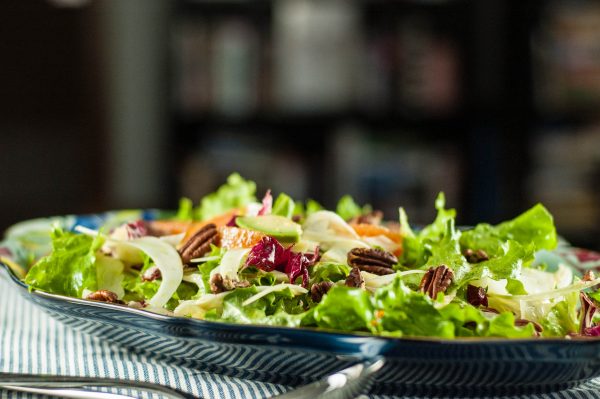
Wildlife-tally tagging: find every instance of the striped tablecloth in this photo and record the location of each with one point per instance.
(32, 342)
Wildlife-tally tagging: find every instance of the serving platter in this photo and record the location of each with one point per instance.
(293, 356)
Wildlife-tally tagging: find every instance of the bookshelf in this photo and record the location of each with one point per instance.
(451, 88)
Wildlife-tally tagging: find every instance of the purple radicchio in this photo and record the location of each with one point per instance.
(232, 222)
(298, 264)
(269, 255)
(592, 331)
(586, 316)
(130, 231)
(267, 204)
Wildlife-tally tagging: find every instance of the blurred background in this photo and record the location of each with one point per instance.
(114, 104)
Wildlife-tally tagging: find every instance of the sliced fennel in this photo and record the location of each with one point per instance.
(173, 239)
(280, 276)
(194, 277)
(165, 257)
(578, 286)
(266, 290)
(329, 222)
(230, 263)
(374, 281)
(197, 308)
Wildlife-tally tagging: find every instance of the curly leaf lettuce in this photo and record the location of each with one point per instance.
(512, 257)
(276, 308)
(284, 206)
(397, 310)
(533, 226)
(347, 208)
(437, 229)
(70, 269)
(236, 193)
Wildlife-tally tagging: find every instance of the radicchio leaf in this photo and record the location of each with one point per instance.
(131, 231)
(232, 222)
(592, 331)
(298, 264)
(586, 313)
(268, 255)
(267, 204)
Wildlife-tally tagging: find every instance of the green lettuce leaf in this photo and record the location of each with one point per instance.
(417, 248)
(346, 309)
(446, 250)
(562, 320)
(503, 326)
(312, 206)
(533, 226)
(71, 266)
(435, 231)
(347, 208)
(138, 290)
(236, 193)
(407, 312)
(275, 308)
(326, 271)
(284, 206)
(206, 267)
(507, 265)
(413, 251)
(397, 310)
(109, 274)
(186, 209)
(256, 276)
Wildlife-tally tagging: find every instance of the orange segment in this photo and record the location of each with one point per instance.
(234, 237)
(166, 227)
(373, 230)
(220, 220)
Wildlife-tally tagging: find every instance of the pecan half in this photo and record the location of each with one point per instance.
(219, 284)
(104, 296)
(318, 290)
(355, 279)
(476, 256)
(153, 273)
(436, 280)
(199, 243)
(372, 260)
(374, 217)
(477, 296)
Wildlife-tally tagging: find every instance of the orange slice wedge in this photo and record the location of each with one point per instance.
(373, 230)
(235, 237)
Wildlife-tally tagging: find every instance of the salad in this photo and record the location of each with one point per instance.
(287, 263)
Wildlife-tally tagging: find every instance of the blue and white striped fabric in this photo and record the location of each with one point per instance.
(32, 342)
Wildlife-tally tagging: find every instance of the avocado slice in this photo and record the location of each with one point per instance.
(279, 227)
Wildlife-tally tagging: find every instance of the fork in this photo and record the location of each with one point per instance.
(344, 384)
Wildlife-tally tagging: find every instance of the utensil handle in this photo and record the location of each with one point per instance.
(69, 393)
(344, 384)
(75, 385)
